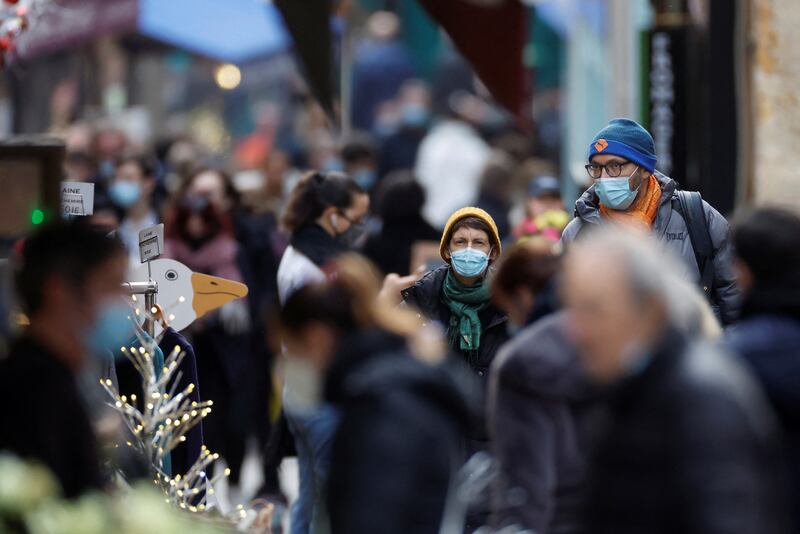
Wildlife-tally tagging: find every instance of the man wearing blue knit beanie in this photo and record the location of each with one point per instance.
(629, 191)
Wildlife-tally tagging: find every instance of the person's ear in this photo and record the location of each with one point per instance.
(744, 276)
(56, 293)
(524, 298)
(327, 213)
(493, 254)
(149, 185)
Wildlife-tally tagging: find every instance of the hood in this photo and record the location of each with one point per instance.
(541, 360)
(374, 363)
(587, 207)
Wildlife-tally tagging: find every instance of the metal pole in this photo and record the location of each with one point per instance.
(149, 290)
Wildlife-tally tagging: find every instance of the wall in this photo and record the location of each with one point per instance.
(775, 68)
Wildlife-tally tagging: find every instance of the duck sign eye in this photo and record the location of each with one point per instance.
(171, 275)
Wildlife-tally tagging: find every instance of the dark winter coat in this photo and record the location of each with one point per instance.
(768, 338)
(399, 441)
(691, 447)
(44, 417)
(670, 226)
(541, 415)
(426, 296)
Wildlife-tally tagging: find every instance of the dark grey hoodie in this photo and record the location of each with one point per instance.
(670, 226)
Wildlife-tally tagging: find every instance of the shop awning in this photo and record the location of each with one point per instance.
(226, 30)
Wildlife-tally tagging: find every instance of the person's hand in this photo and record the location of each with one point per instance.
(393, 284)
(235, 317)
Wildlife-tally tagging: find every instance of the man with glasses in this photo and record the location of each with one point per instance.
(628, 191)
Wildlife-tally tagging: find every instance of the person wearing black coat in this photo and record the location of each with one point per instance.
(70, 287)
(542, 418)
(767, 244)
(401, 419)
(400, 437)
(457, 296)
(425, 296)
(454, 300)
(690, 444)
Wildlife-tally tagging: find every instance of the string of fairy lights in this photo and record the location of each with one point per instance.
(159, 421)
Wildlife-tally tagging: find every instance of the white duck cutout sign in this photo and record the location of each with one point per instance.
(183, 295)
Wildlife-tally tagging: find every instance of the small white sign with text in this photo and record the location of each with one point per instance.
(151, 242)
(77, 198)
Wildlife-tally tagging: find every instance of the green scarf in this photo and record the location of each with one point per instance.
(465, 303)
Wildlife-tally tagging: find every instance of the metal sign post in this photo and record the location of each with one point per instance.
(149, 290)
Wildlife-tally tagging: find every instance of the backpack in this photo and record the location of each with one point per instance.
(690, 205)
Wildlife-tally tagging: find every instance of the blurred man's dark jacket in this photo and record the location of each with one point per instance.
(43, 417)
(400, 440)
(768, 338)
(691, 447)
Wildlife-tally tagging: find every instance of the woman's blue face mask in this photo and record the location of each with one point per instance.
(469, 262)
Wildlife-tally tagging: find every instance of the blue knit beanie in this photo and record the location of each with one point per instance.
(628, 139)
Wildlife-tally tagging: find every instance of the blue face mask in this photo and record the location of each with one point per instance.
(333, 164)
(469, 262)
(365, 178)
(414, 115)
(615, 193)
(111, 329)
(124, 193)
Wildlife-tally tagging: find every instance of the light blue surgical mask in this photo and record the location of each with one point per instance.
(333, 164)
(365, 178)
(124, 193)
(112, 328)
(414, 115)
(615, 193)
(469, 262)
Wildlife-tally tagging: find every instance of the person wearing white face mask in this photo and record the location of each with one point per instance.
(131, 190)
(628, 190)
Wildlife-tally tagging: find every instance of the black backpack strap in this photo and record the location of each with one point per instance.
(691, 207)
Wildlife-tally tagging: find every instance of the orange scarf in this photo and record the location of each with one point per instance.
(642, 212)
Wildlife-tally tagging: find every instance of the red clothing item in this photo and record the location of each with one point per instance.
(217, 257)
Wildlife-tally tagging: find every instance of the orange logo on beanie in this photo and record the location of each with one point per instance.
(601, 145)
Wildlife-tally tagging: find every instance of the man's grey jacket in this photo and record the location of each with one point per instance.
(670, 226)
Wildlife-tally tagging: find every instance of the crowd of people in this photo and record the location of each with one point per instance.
(631, 369)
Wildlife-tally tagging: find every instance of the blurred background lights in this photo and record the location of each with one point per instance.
(228, 76)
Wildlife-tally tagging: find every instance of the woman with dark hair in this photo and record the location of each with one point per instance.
(200, 237)
(324, 217)
(258, 263)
